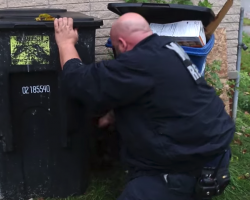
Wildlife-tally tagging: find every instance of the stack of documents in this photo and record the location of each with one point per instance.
(185, 33)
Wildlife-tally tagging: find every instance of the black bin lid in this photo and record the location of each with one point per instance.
(25, 18)
(33, 10)
(165, 13)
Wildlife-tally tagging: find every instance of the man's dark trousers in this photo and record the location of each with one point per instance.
(170, 187)
(157, 188)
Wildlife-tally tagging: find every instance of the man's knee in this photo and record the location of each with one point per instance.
(158, 188)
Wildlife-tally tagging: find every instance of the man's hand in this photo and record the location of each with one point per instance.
(66, 38)
(106, 120)
(64, 32)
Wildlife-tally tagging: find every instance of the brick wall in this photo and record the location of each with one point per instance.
(231, 23)
(98, 8)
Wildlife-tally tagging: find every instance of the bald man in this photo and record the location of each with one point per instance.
(172, 125)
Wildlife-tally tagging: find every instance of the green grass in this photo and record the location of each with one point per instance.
(239, 188)
(103, 187)
(246, 22)
(245, 62)
(110, 186)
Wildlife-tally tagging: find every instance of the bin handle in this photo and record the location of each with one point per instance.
(29, 25)
(155, 5)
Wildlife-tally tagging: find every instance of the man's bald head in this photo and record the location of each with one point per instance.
(128, 31)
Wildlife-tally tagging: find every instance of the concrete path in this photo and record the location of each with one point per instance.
(246, 5)
(246, 29)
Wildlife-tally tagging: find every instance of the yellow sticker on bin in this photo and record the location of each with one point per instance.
(29, 50)
(45, 17)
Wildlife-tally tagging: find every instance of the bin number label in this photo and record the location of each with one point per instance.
(36, 89)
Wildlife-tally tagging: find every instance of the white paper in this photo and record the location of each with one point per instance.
(169, 29)
(186, 31)
(156, 28)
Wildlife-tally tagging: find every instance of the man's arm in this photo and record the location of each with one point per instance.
(102, 86)
(67, 52)
(105, 85)
(66, 38)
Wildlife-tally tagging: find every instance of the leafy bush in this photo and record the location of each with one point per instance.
(205, 3)
(212, 76)
(244, 91)
(184, 2)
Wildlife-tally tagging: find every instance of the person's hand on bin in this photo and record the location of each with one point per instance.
(65, 34)
(66, 38)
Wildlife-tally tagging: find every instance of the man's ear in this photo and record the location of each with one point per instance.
(122, 45)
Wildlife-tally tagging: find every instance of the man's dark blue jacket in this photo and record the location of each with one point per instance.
(165, 120)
